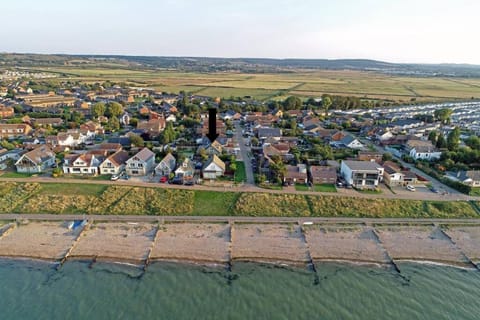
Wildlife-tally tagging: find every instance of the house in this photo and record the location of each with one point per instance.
(425, 150)
(213, 168)
(264, 133)
(109, 147)
(141, 163)
(45, 122)
(186, 169)
(86, 163)
(166, 166)
(14, 130)
(70, 138)
(296, 174)
(323, 174)
(152, 127)
(370, 156)
(215, 148)
(115, 163)
(393, 175)
(361, 174)
(36, 160)
(471, 177)
(6, 112)
(347, 141)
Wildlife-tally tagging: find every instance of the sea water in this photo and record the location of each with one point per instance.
(79, 290)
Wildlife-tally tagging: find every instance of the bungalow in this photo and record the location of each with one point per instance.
(370, 156)
(36, 160)
(213, 168)
(141, 163)
(264, 133)
(361, 174)
(166, 166)
(186, 169)
(347, 141)
(86, 163)
(296, 174)
(152, 127)
(45, 122)
(471, 177)
(323, 174)
(425, 150)
(115, 163)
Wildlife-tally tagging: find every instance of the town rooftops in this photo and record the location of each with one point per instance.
(145, 154)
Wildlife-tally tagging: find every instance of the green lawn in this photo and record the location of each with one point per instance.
(17, 175)
(210, 203)
(475, 192)
(240, 174)
(302, 187)
(327, 187)
(81, 189)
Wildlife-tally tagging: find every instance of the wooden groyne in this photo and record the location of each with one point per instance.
(149, 254)
(77, 239)
(387, 255)
(310, 262)
(469, 261)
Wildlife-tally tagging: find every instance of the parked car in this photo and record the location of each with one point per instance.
(163, 179)
(411, 188)
(434, 190)
(114, 177)
(189, 182)
(176, 180)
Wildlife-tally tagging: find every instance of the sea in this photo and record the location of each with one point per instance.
(81, 290)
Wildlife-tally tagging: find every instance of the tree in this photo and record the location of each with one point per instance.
(473, 142)
(98, 109)
(432, 136)
(453, 139)
(113, 109)
(326, 103)
(233, 166)
(114, 123)
(136, 140)
(292, 103)
(168, 135)
(278, 168)
(443, 115)
(441, 143)
(387, 156)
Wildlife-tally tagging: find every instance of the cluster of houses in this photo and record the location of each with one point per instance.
(111, 159)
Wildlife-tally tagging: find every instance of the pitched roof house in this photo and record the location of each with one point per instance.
(36, 160)
(115, 163)
(86, 163)
(323, 174)
(141, 164)
(213, 168)
(186, 169)
(296, 174)
(166, 166)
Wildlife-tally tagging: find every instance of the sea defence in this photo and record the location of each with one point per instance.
(225, 243)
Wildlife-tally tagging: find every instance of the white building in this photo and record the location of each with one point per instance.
(361, 174)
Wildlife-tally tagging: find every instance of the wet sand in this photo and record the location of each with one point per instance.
(423, 243)
(268, 242)
(224, 243)
(203, 242)
(115, 241)
(354, 243)
(39, 240)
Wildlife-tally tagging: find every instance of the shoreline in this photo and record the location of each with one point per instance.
(225, 244)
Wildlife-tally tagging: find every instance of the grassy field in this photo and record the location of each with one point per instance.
(302, 83)
(240, 174)
(120, 200)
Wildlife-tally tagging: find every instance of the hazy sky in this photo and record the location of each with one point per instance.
(430, 31)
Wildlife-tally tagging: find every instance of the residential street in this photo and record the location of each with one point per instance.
(244, 150)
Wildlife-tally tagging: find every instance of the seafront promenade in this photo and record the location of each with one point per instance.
(226, 240)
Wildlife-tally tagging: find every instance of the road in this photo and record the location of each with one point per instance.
(244, 155)
(229, 219)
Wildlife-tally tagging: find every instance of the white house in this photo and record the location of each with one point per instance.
(166, 166)
(86, 163)
(423, 150)
(213, 168)
(115, 163)
(186, 169)
(361, 174)
(36, 160)
(348, 142)
(141, 164)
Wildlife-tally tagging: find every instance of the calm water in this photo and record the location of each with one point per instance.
(34, 290)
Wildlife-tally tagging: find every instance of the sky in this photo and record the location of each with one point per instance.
(416, 31)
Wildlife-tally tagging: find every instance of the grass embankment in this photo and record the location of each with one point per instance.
(316, 188)
(101, 199)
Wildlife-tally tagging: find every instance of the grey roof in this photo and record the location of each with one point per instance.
(269, 132)
(362, 165)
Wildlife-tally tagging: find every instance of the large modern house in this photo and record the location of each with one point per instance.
(141, 164)
(36, 160)
(361, 174)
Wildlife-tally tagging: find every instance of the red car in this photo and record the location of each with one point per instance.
(163, 179)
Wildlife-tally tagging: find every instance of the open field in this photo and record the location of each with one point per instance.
(85, 198)
(303, 83)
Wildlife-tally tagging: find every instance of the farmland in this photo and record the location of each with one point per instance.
(264, 86)
(82, 198)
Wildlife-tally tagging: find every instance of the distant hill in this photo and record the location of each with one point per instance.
(253, 65)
